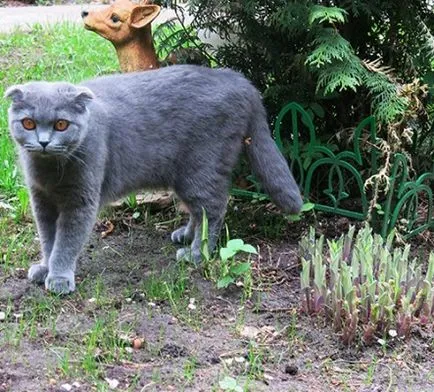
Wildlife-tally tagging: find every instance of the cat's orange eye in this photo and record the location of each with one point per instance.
(28, 124)
(61, 125)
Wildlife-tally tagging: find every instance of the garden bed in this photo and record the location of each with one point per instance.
(131, 289)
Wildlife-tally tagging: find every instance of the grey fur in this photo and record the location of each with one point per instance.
(181, 127)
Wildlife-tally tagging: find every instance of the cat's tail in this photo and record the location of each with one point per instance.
(270, 167)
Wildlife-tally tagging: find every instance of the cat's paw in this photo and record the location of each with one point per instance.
(179, 236)
(186, 254)
(63, 283)
(37, 273)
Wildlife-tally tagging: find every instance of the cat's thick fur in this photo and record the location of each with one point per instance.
(181, 127)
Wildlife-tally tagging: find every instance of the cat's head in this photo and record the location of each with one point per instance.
(49, 119)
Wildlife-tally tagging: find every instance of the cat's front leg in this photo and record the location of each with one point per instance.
(74, 226)
(45, 213)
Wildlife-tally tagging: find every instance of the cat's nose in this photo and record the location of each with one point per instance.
(44, 144)
(84, 13)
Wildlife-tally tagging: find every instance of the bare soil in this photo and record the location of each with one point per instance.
(265, 342)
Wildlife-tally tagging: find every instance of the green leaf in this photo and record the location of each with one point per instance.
(240, 269)
(225, 282)
(226, 253)
(318, 109)
(248, 249)
(294, 217)
(235, 244)
(307, 207)
(228, 383)
(204, 233)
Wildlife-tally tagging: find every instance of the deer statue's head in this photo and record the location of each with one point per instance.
(122, 21)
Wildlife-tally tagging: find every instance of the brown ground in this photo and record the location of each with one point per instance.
(264, 342)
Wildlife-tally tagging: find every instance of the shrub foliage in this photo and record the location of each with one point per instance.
(342, 60)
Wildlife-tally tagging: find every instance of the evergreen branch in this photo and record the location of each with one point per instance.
(320, 14)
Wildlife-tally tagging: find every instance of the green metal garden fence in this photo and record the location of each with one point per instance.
(339, 178)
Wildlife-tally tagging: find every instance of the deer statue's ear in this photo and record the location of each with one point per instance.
(142, 15)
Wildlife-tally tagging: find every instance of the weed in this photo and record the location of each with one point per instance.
(170, 284)
(228, 269)
(131, 201)
(190, 367)
(255, 358)
(64, 363)
(306, 207)
(102, 344)
(292, 329)
(371, 371)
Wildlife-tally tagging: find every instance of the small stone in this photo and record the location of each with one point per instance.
(228, 361)
(112, 382)
(128, 300)
(191, 304)
(66, 387)
(291, 370)
(249, 332)
(268, 377)
(92, 300)
(393, 333)
(2, 316)
(52, 381)
(137, 343)
(129, 350)
(381, 342)
(76, 384)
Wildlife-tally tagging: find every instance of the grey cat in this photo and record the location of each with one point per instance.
(181, 128)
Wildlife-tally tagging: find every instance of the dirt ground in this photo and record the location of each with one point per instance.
(141, 322)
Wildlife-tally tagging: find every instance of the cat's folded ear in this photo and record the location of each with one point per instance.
(83, 96)
(15, 92)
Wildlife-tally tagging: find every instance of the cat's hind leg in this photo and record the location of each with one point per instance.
(185, 234)
(215, 208)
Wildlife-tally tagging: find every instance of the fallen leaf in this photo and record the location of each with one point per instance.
(110, 227)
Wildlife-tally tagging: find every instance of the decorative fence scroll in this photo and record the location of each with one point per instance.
(335, 182)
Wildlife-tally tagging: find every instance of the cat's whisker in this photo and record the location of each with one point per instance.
(80, 161)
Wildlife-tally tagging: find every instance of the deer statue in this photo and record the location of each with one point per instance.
(127, 26)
